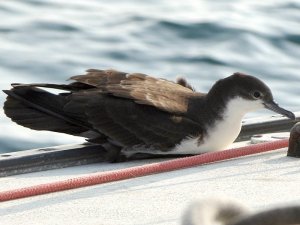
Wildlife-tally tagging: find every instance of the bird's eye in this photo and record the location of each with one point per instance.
(256, 94)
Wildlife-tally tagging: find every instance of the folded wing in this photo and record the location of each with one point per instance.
(165, 95)
(125, 109)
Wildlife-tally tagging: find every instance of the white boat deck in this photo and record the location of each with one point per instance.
(260, 181)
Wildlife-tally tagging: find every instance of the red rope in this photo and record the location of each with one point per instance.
(137, 171)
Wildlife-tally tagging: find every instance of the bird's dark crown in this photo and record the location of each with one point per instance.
(241, 85)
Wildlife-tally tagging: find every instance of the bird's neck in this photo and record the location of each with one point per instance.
(222, 107)
(225, 126)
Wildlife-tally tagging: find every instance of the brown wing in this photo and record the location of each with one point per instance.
(143, 89)
(126, 123)
(110, 104)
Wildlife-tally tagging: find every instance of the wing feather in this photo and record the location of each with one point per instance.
(165, 95)
(132, 124)
(127, 109)
(92, 106)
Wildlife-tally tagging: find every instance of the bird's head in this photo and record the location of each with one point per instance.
(250, 93)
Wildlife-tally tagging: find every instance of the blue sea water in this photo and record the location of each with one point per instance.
(50, 40)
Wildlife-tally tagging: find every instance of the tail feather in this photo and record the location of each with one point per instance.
(75, 86)
(40, 110)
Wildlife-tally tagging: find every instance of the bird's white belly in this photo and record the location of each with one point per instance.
(218, 138)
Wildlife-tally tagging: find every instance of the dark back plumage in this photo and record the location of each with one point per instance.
(109, 106)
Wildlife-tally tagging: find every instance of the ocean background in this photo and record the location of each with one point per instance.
(51, 40)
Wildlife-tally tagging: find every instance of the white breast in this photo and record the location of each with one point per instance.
(223, 132)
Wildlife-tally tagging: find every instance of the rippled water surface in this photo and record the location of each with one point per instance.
(50, 40)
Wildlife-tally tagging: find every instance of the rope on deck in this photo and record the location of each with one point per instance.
(138, 171)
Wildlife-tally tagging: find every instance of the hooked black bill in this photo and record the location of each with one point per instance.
(276, 108)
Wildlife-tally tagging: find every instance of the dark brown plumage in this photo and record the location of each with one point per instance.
(108, 106)
(129, 112)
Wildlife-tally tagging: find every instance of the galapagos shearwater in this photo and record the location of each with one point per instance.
(133, 114)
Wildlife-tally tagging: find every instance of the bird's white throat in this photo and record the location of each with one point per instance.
(224, 131)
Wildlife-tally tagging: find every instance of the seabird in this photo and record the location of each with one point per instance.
(231, 212)
(134, 115)
(212, 211)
